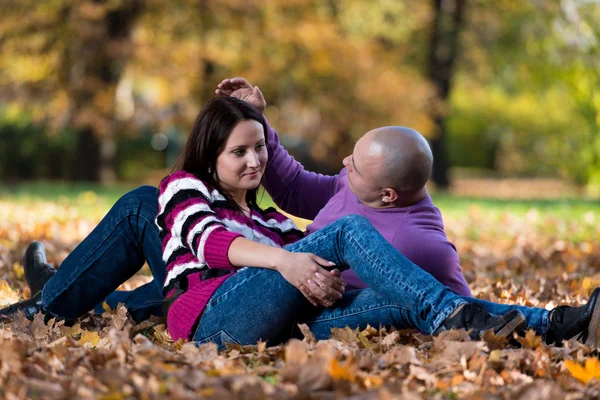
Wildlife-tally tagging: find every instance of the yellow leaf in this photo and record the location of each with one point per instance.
(89, 337)
(339, 371)
(587, 373)
(19, 270)
(7, 295)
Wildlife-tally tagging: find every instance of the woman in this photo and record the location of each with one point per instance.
(237, 274)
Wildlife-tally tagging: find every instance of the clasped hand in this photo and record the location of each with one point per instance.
(305, 271)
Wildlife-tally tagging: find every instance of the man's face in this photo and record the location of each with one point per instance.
(364, 166)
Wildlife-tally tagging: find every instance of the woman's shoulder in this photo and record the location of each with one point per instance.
(275, 219)
(186, 181)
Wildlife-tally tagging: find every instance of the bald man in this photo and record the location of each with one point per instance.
(383, 180)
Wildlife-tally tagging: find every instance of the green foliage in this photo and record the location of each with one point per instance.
(28, 152)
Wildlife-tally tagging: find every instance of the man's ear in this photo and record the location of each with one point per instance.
(388, 195)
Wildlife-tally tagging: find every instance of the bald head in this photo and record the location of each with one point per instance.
(406, 158)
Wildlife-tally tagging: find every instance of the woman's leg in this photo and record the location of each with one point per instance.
(115, 250)
(253, 304)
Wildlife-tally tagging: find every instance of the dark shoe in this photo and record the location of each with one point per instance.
(476, 320)
(567, 322)
(37, 269)
(30, 307)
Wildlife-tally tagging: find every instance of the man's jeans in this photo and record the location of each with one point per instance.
(127, 237)
(259, 304)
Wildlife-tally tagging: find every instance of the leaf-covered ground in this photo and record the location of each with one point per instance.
(532, 257)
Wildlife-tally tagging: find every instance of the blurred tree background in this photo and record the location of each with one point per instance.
(95, 89)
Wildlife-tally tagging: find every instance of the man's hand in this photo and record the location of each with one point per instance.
(241, 89)
(318, 285)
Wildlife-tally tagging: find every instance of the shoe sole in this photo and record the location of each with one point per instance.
(516, 322)
(594, 328)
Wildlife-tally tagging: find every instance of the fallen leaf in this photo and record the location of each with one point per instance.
(342, 371)
(89, 337)
(586, 373)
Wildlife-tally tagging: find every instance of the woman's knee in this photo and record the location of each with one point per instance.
(142, 200)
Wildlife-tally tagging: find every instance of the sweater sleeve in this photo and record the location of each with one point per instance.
(293, 189)
(190, 225)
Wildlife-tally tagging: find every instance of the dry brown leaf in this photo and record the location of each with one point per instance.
(39, 329)
(296, 352)
(494, 341)
(309, 337)
(531, 340)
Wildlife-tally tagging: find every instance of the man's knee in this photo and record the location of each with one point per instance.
(355, 219)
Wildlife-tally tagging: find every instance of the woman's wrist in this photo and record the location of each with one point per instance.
(277, 259)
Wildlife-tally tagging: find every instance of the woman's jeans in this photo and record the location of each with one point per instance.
(127, 237)
(114, 251)
(259, 304)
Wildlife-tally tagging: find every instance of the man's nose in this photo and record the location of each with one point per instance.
(346, 162)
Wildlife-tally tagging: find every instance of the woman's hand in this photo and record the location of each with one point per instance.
(241, 89)
(305, 271)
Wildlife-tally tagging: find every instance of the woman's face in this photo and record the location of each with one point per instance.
(241, 164)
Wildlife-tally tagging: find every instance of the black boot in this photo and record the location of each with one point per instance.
(30, 307)
(567, 322)
(37, 269)
(476, 320)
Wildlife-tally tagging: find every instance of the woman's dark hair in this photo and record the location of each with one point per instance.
(212, 127)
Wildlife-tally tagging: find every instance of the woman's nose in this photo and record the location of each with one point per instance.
(253, 160)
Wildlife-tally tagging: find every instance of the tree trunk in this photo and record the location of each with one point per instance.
(87, 157)
(442, 57)
(97, 55)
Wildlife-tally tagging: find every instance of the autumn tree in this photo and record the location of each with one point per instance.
(62, 61)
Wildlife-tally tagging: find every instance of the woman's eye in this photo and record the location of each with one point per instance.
(260, 146)
(238, 153)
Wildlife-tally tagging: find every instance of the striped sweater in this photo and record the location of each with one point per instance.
(197, 226)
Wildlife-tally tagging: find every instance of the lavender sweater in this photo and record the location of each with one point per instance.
(417, 231)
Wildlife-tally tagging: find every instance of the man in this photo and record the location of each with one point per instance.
(383, 180)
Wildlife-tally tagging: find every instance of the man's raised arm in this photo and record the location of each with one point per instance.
(293, 189)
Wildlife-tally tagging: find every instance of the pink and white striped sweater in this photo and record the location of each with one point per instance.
(197, 226)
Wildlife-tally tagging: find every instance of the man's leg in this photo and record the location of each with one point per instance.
(115, 250)
(352, 241)
(356, 309)
(536, 318)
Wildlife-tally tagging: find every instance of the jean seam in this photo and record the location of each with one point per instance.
(343, 315)
(441, 315)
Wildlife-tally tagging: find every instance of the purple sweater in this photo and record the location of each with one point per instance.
(417, 231)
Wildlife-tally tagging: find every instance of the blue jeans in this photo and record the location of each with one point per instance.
(259, 304)
(127, 238)
(114, 251)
